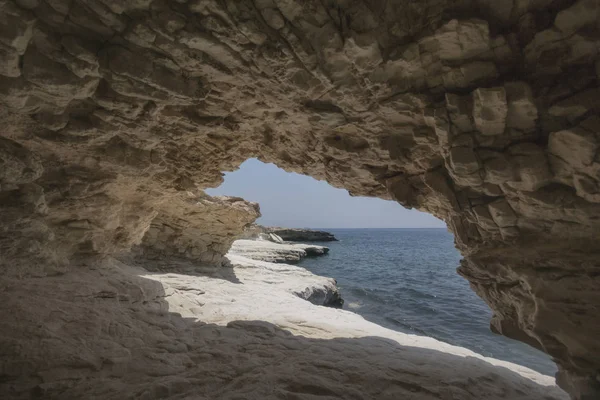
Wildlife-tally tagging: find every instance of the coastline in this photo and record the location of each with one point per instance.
(274, 294)
(242, 331)
(321, 322)
(413, 288)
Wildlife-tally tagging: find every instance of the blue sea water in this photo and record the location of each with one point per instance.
(406, 280)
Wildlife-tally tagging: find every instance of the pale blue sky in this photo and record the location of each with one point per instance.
(298, 201)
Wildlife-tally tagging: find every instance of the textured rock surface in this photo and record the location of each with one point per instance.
(485, 114)
(271, 237)
(302, 235)
(264, 250)
(225, 333)
(318, 290)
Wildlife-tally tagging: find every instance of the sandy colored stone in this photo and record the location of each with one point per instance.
(502, 213)
(522, 111)
(490, 110)
(576, 146)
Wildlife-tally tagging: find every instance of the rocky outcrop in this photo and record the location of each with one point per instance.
(223, 333)
(264, 250)
(301, 235)
(117, 114)
(271, 237)
(203, 232)
(255, 231)
(318, 290)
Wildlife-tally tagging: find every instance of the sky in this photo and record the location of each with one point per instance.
(297, 201)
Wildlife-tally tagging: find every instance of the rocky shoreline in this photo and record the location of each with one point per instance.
(263, 250)
(302, 235)
(271, 310)
(249, 329)
(276, 252)
(255, 231)
(116, 116)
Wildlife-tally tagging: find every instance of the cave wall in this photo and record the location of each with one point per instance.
(117, 114)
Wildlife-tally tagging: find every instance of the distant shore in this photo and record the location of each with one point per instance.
(288, 234)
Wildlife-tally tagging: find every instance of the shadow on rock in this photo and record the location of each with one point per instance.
(107, 333)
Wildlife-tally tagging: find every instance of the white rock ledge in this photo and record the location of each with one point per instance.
(359, 360)
(264, 250)
(116, 331)
(318, 290)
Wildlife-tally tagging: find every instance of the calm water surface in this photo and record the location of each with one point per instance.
(406, 280)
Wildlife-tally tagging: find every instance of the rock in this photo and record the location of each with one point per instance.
(10, 62)
(574, 18)
(577, 105)
(459, 110)
(463, 161)
(54, 79)
(458, 40)
(522, 112)
(270, 237)
(498, 169)
(191, 235)
(298, 281)
(251, 318)
(464, 166)
(502, 213)
(263, 250)
(18, 164)
(490, 110)
(117, 114)
(301, 235)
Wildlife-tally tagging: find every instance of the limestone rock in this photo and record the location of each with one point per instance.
(271, 237)
(194, 234)
(503, 214)
(490, 110)
(117, 114)
(458, 40)
(248, 328)
(301, 235)
(531, 167)
(18, 164)
(459, 110)
(576, 146)
(263, 250)
(498, 169)
(522, 112)
(464, 166)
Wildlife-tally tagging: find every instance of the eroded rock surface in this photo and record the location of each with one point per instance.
(264, 250)
(198, 333)
(116, 114)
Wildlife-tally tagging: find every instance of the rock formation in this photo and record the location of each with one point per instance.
(118, 332)
(302, 235)
(271, 237)
(117, 113)
(318, 290)
(264, 250)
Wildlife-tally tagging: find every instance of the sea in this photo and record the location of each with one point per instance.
(406, 280)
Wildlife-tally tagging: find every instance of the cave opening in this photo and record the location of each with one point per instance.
(395, 267)
(118, 115)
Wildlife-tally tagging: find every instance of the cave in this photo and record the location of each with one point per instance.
(116, 115)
